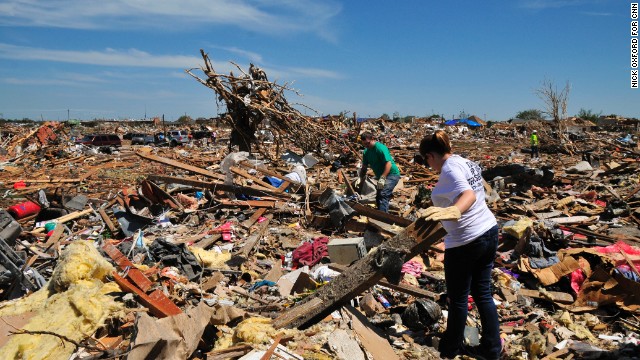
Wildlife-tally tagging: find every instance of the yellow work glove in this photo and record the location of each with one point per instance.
(381, 182)
(435, 213)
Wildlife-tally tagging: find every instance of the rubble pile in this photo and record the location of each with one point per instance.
(202, 251)
(252, 101)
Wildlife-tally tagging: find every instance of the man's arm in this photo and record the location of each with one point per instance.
(387, 169)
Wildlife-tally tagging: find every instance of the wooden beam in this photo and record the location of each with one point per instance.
(351, 190)
(555, 296)
(255, 237)
(411, 290)
(55, 237)
(250, 203)
(417, 237)
(183, 166)
(252, 220)
(205, 243)
(107, 221)
(272, 348)
(378, 215)
(65, 218)
(246, 175)
(217, 186)
(284, 186)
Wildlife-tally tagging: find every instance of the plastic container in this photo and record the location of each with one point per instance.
(383, 301)
(19, 185)
(24, 209)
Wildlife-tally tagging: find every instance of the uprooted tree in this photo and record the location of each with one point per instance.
(252, 101)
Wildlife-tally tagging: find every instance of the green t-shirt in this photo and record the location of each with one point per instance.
(377, 157)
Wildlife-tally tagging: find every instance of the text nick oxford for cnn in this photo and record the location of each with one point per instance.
(634, 45)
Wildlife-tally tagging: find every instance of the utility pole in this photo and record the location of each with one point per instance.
(164, 126)
(68, 115)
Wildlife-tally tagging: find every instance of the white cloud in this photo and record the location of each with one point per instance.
(250, 55)
(108, 57)
(142, 59)
(275, 16)
(38, 81)
(61, 79)
(592, 13)
(547, 4)
(314, 73)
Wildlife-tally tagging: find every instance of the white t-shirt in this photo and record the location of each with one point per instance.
(459, 174)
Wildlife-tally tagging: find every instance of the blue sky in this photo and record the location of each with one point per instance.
(118, 58)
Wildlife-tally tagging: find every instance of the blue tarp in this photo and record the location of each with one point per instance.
(468, 122)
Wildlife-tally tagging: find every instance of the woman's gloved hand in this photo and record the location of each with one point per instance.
(435, 213)
(381, 182)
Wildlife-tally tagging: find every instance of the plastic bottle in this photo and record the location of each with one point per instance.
(383, 301)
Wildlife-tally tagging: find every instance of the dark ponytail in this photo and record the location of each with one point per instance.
(438, 142)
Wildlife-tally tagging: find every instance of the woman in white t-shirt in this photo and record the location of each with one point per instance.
(470, 245)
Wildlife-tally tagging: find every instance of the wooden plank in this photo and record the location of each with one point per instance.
(284, 186)
(255, 236)
(183, 166)
(613, 192)
(217, 186)
(246, 175)
(635, 191)
(252, 220)
(350, 189)
(555, 296)
(272, 348)
(65, 218)
(411, 290)
(361, 276)
(55, 237)
(207, 242)
(376, 345)
(378, 215)
(107, 221)
(556, 354)
(615, 170)
(230, 352)
(249, 203)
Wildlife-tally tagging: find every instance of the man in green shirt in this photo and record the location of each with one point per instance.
(376, 155)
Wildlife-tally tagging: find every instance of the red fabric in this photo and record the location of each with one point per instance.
(310, 253)
(617, 247)
(577, 278)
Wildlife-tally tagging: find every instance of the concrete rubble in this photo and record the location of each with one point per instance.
(201, 251)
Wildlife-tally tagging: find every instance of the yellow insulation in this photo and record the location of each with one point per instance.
(74, 304)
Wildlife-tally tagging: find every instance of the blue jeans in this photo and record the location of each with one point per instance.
(383, 196)
(468, 268)
(534, 151)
